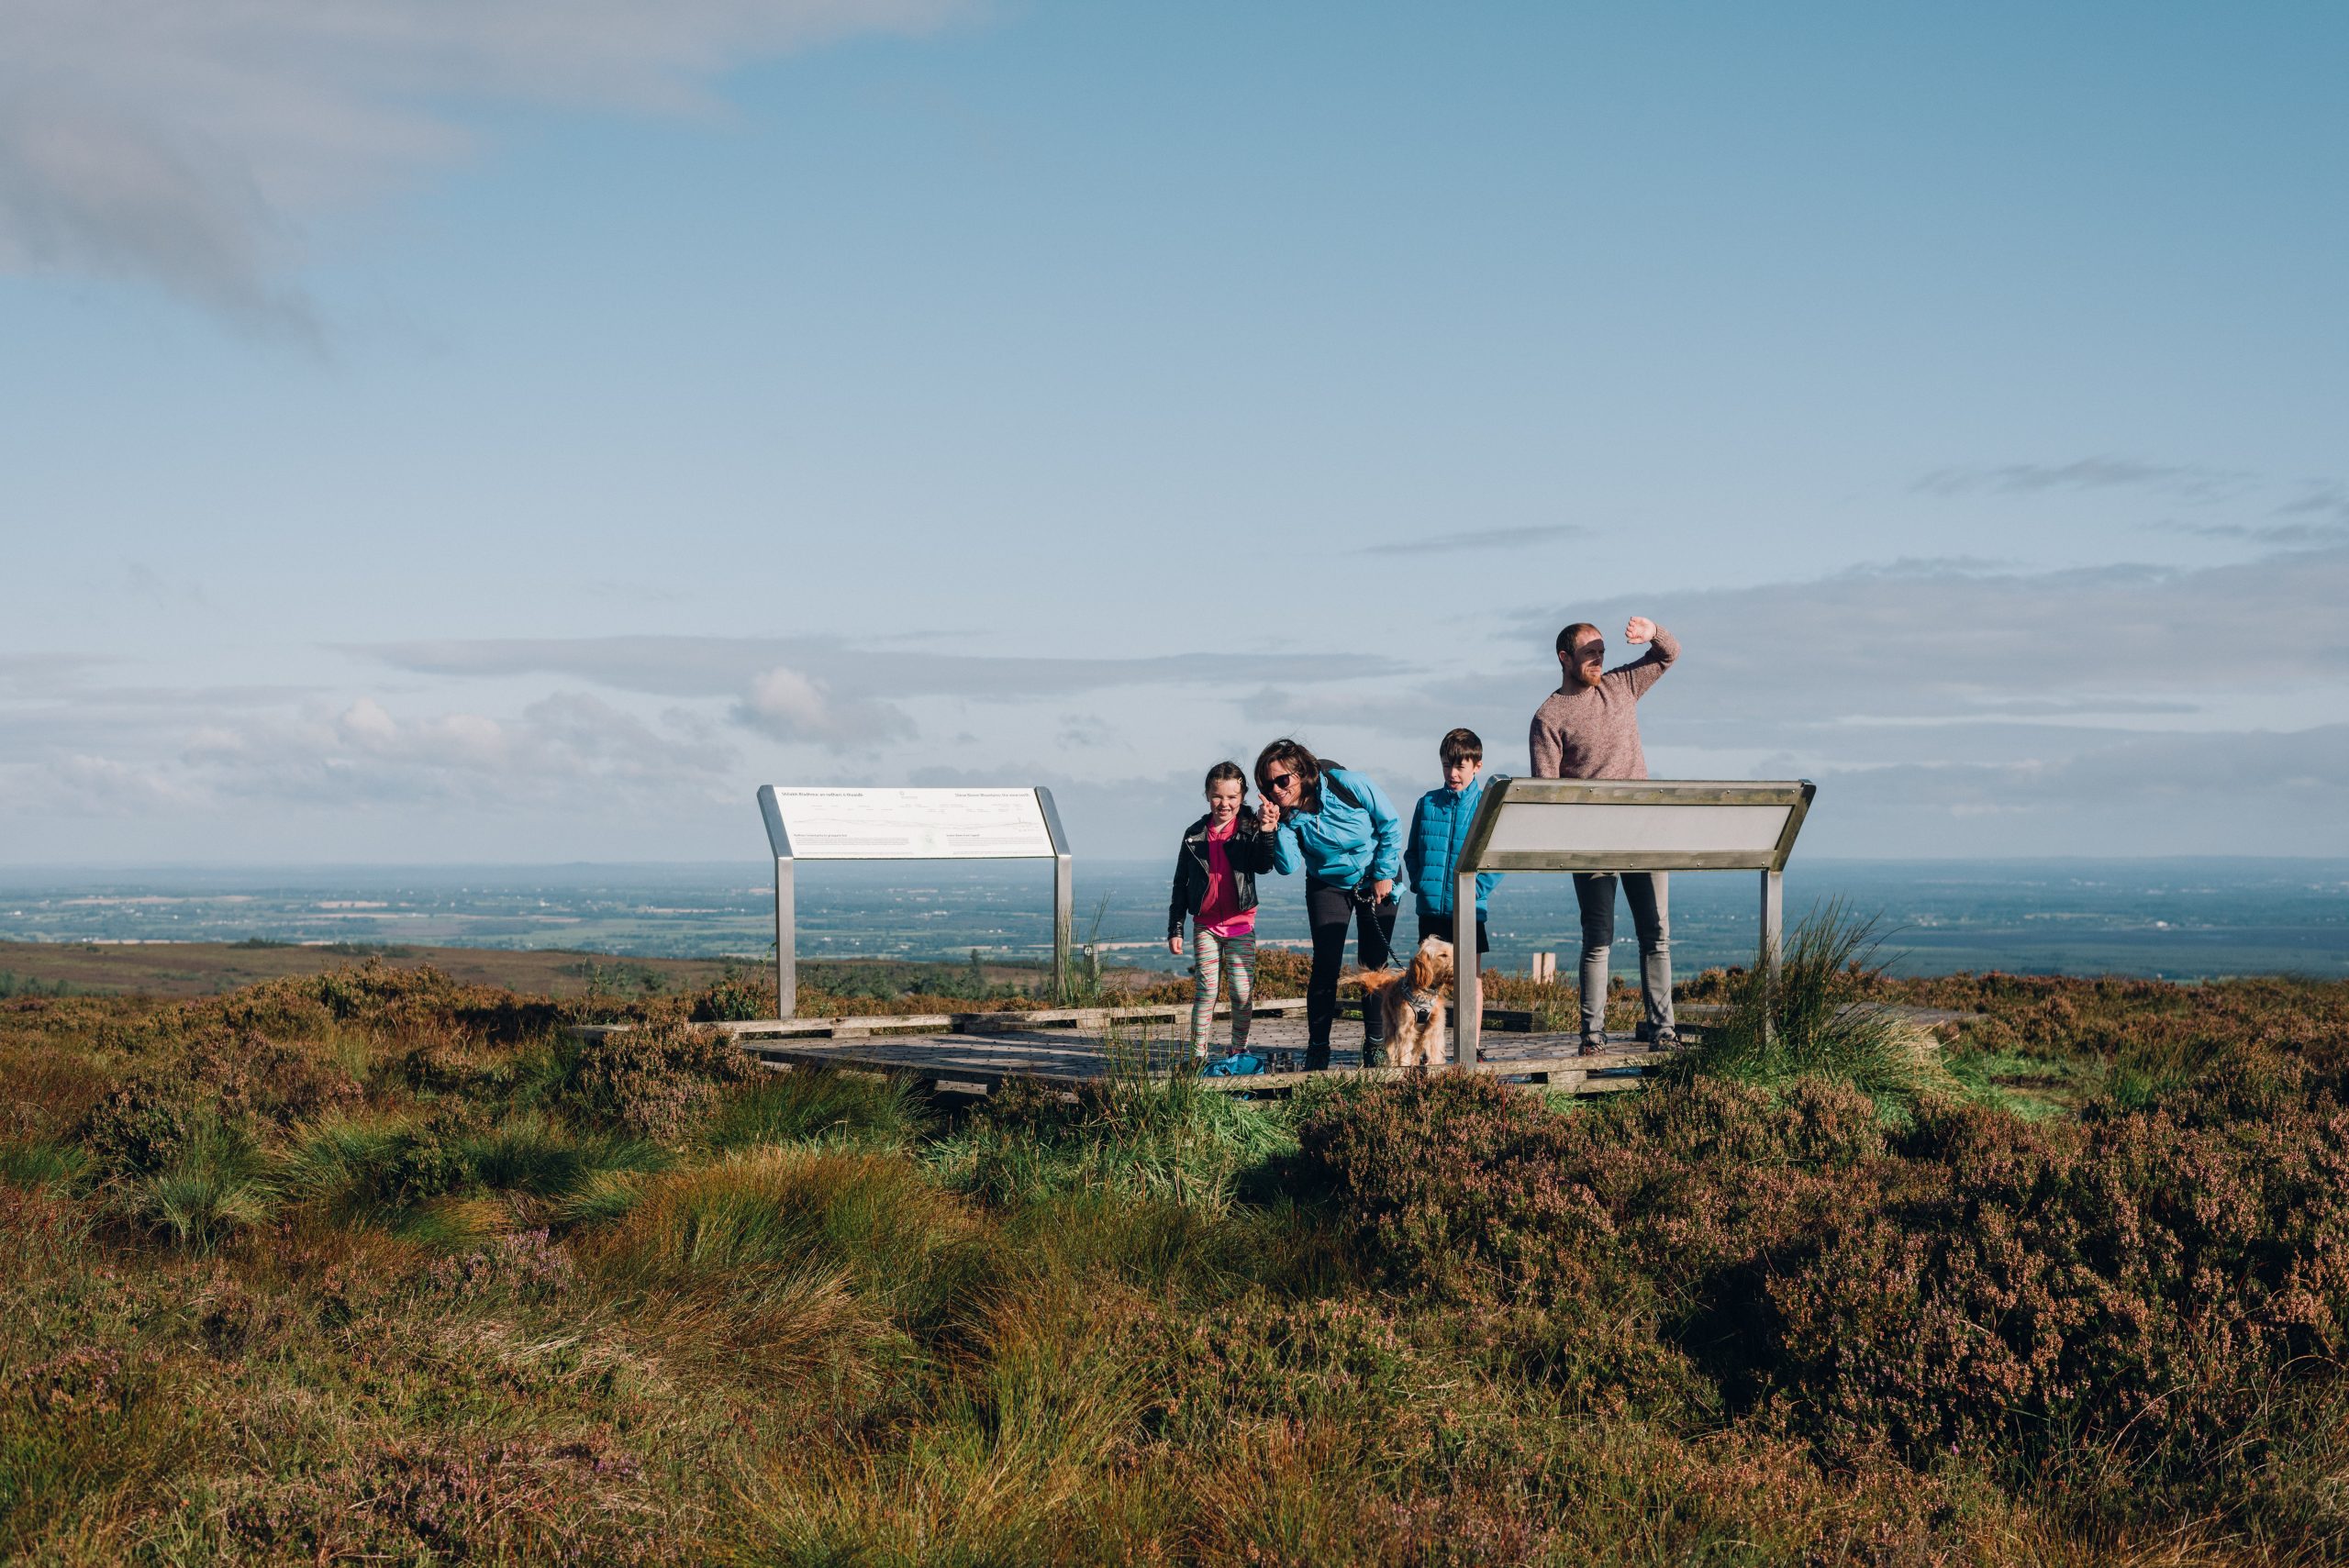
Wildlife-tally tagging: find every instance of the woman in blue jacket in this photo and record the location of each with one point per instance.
(1341, 827)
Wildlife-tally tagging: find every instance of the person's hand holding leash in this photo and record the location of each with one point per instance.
(1639, 629)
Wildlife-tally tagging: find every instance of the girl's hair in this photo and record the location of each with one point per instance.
(1222, 770)
(1283, 755)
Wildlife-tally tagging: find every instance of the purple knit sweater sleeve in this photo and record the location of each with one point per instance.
(1649, 669)
(1593, 733)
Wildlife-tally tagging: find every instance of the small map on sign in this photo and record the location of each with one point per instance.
(913, 824)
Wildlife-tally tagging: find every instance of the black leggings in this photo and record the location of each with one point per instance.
(1329, 910)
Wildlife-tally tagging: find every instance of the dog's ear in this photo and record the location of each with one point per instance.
(1432, 965)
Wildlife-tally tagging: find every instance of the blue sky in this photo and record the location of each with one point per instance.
(516, 431)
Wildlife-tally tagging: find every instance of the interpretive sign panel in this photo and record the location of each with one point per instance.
(1616, 825)
(914, 824)
(826, 824)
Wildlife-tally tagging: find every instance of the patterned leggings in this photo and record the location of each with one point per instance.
(1235, 957)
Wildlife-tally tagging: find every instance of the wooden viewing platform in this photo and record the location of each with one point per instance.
(1071, 1046)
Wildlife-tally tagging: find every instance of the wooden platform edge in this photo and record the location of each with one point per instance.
(1606, 1073)
(1504, 1020)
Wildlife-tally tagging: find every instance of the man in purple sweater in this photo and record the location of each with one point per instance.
(1589, 728)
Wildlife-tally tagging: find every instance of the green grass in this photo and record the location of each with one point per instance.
(856, 1109)
(2032, 1088)
(1822, 1016)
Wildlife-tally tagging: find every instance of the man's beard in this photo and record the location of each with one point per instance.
(1585, 679)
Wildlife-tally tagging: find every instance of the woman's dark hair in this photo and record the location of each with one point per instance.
(1283, 755)
(1222, 770)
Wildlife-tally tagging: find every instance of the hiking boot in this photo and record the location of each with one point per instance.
(1374, 1052)
(1316, 1056)
(1592, 1044)
(1665, 1039)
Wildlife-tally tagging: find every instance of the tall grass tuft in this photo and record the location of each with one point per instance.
(215, 1185)
(918, 1253)
(1165, 1140)
(1819, 1018)
(814, 1105)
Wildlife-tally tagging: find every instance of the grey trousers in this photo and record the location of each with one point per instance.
(1650, 899)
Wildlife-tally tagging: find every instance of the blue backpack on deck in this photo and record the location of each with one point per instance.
(1235, 1066)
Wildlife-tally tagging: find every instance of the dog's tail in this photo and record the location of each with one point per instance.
(1373, 981)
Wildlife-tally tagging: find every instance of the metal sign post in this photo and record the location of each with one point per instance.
(818, 824)
(1602, 825)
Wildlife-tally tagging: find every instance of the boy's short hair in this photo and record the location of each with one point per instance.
(1460, 746)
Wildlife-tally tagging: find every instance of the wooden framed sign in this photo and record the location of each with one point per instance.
(824, 823)
(913, 824)
(1615, 825)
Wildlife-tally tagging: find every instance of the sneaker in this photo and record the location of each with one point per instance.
(1665, 1039)
(1592, 1044)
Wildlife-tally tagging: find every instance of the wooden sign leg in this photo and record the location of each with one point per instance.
(786, 955)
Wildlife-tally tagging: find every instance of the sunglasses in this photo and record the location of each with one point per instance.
(1279, 780)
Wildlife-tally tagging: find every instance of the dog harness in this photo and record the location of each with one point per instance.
(1423, 1005)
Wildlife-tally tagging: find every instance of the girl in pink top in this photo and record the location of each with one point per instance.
(1215, 886)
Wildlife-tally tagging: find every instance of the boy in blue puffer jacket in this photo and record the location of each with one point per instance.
(1338, 828)
(1439, 832)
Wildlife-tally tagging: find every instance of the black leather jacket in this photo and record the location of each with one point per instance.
(1249, 850)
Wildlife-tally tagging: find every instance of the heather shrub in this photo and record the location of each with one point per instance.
(77, 1422)
(240, 1081)
(523, 1264)
(1260, 1360)
(1460, 1182)
(2118, 1301)
(733, 995)
(655, 1080)
(460, 1498)
(140, 1126)
(415, 1163)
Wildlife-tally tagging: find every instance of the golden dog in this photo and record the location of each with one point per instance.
(1414, 1000)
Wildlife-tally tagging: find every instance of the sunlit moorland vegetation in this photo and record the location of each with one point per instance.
(375, 1265)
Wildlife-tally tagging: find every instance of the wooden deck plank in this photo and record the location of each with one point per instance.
(1072, 1047)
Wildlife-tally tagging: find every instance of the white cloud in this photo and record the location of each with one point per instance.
(2252, 792)
(570, 752)
(723, 666)
(785, 705)
(2189, 480)
(1934, 642)
(185, 144)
